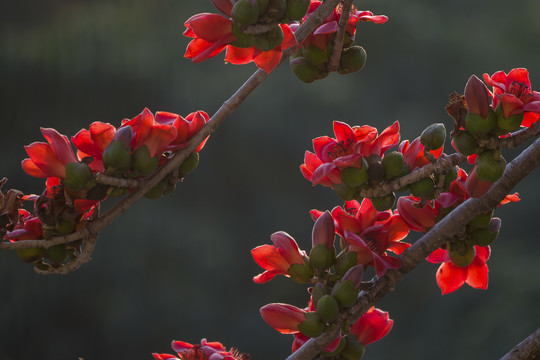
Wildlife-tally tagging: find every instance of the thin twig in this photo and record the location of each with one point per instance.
(335, 58)
(516, 171)
(84, 257)
(528, 349)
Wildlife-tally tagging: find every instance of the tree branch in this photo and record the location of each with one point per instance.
(528, 349)
(335, 58)
(518, 169)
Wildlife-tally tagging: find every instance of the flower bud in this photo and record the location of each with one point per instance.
(296, 9)
(433, 136)
(142, 163)
(244, 40)
(269, 40)
(284, 318)
(490, 166)
(477, 96)
(245, 12)
(465, 143)
(157, 191)
(276, 10)
(352, 60)
(327, 308)
(507, 124)
(30, 255)
(485, 236)
(321, 257)
(354, 177)
(450, 176)
(78, 176)
(353, 349)
(304, 70)
(383, 203)
(318, 291)
(313, 326)
(460, 254)
(301, 273)
(263, 6)
(475, 187)
(481, 220)
(344, 192)
(56, 254)
(345, 261)
(345, 293)
(324, 231)
(423, 187)
(117, 156)
(189, 164)
(316, 56)
(478, 125)
(393, 164)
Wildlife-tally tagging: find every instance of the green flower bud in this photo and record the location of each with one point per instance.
(296, 9)
(490, 166)
(465, 143)
(141, 162)
(65, 227)
(189, 164)
(433, 136)
(318, 291)
(345, 261)
(275, 11)
(263, 6)
(450, 176)
(269, 40)
(354, 177)
(352, 60)
(117, 156)
(244, 40)
(56, 254)
(78, 176)
(485, 236)
(423, 187)
(313, 326)
(508, 124)
(393, 164)
(320, 257)
(482, 220)
(460, 254)
(30, 255)
(343, 191)
(477, 125)
(327, 308)
(245, 12)
(353, 349)
(384, 202)
(317, 56)
(345, 293)
(304, 70)
(301, 273)
(157, 191)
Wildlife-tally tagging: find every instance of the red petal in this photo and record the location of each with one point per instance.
(269, 258)
(477, 275)
(438, 256)
(239, 56)
(268, 60)
(43, 157)
(60, 145)
(31, 169)
(209, 27)
(450, 277)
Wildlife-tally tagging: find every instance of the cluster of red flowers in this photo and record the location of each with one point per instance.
(205, 351)
(72, 195)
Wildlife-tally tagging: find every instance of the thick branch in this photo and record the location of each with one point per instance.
(516, 171)
(335, 58)
(528, 349)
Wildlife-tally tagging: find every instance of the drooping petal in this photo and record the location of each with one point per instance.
(450, 277)
(477, 275)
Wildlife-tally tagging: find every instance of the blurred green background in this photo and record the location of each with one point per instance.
(180, 267)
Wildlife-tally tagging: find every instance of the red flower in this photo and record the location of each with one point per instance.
(212, 33)
(284, 318)
(451, 277)
(28, 228)
(347, 149)
(413, 153)
(93, 142)
(370, 233)
(185, 127)
(372, 326)
(49, 160)
(513, 92)
(204, 351)
(148, 132)
(323, 34)
(276, 259)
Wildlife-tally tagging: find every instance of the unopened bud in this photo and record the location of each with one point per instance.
(327, 308)
(313, 326)
(245, 12)
(465, 143)
(301, 273)
(433, 136)
(78, 176)
(296, 9)
(324, 231)
(490, 166)
(321, 257)
(142, 163)
(269, 40)
(345, 261)
(393, 164)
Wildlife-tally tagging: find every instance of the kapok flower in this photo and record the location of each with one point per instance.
(277, 259)
(372, 326)
(93, 142)
(49, 159)
(28, 228)
(347, 149)
(212, 33)
(205, 351)
(284, 318)
(513, 92)
(322, 35)
(185, 127)
(370, 233)
(147, 132)
(451, 277)
(413, 153)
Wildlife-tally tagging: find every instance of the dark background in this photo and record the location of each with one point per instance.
(180, 267)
